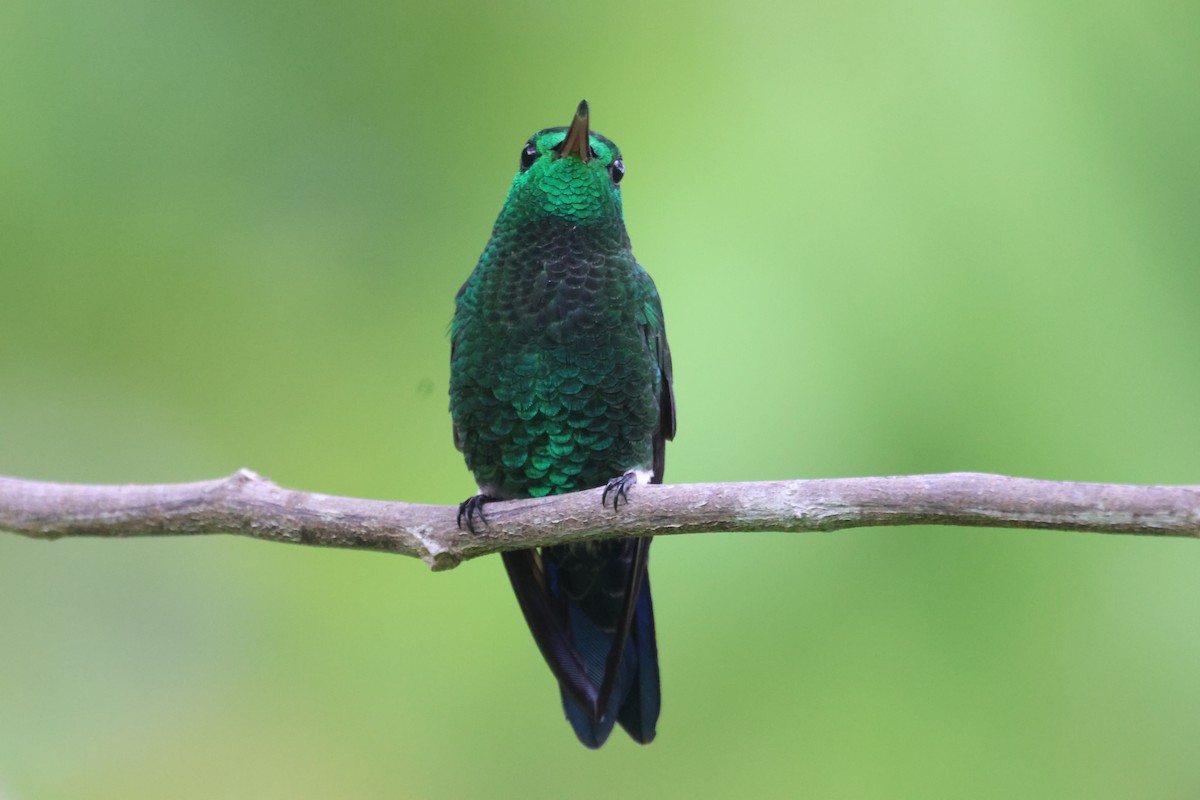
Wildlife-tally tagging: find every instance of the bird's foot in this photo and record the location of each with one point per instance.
(618, 487)
(471, 509)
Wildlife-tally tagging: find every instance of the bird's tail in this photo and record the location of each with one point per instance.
(636, 697)
(590, 611)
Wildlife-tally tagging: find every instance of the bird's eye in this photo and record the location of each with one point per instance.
(616, 170)
(528, 156)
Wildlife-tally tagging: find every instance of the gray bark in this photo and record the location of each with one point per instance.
(246, 504)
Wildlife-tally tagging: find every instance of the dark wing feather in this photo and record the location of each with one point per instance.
(456, 324)
(655, 330)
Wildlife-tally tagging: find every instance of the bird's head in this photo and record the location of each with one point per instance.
(571, 172)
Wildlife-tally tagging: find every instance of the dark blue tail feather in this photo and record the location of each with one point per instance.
(639, 710)
(635, 700)
(576, 599)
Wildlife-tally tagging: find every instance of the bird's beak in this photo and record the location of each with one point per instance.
(577, 136)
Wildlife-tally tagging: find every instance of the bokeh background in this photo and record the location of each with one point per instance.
(890, 238)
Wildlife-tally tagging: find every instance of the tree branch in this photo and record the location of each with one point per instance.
(246, 504)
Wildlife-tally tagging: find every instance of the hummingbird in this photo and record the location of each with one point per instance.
(560, 380)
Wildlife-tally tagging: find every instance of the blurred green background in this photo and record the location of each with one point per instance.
(890, 238)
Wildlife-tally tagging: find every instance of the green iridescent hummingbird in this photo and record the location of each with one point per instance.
(560, 380)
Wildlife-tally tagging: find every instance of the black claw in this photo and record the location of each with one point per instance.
(472, 509)
(618, 487)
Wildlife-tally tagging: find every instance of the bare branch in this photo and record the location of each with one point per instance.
(249, 505)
